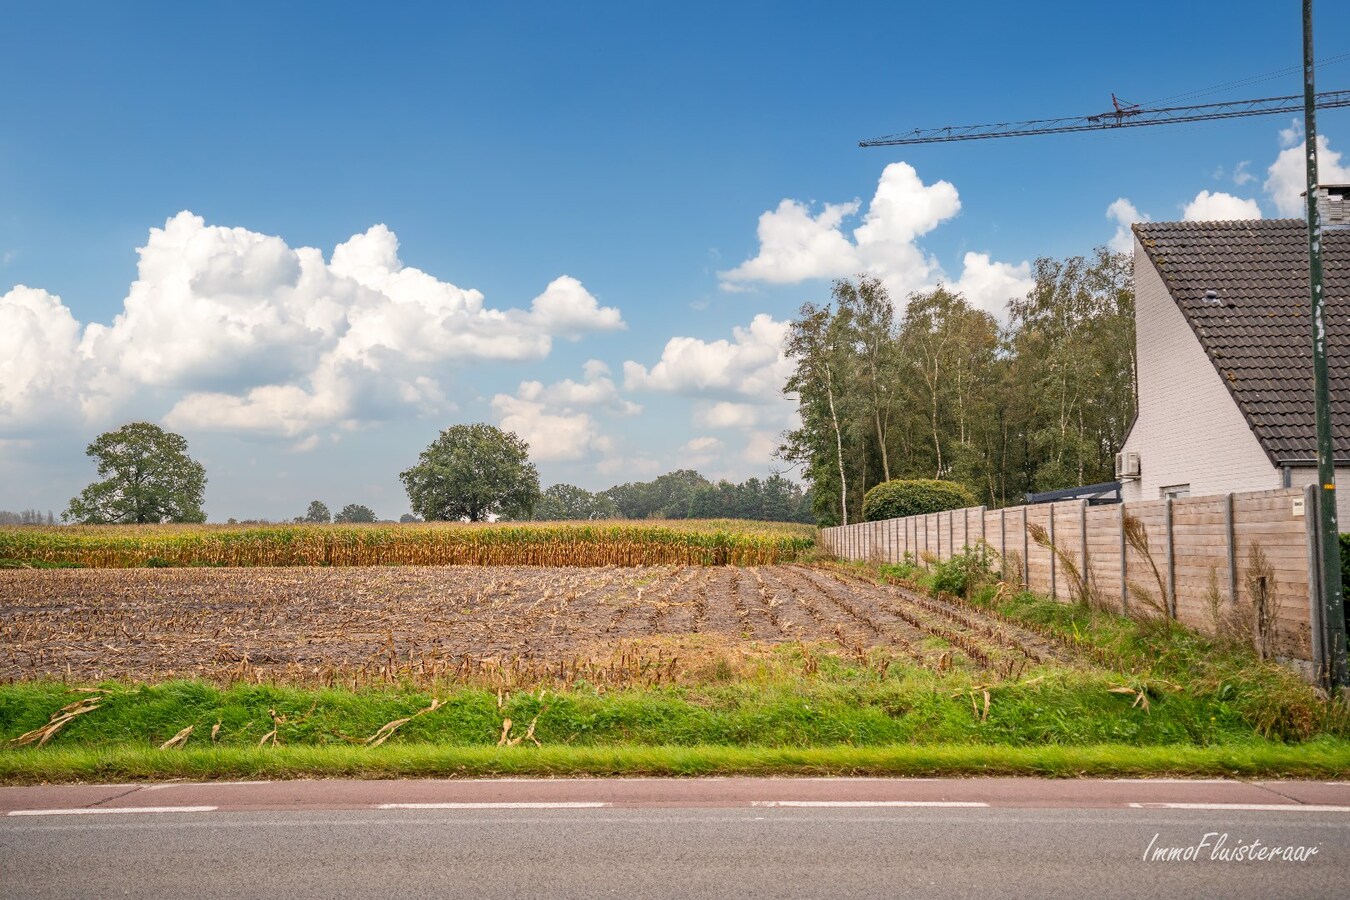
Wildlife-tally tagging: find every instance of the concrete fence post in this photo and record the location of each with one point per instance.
(1230, 535)
(1003, 538)
(1054, 587)
(1171, 560)
(1124, 566)
(1316, 613)
(1086, 563)
(1026, 553)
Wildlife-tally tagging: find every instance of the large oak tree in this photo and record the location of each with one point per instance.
(473, 472)
(147, 477)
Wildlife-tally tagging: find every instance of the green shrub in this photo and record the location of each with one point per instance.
(963, 574)
(898, 498)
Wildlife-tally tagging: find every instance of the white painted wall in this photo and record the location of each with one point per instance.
(1304, 477)
(1189, 429)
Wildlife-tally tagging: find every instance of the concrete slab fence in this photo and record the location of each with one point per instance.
(1197, 544)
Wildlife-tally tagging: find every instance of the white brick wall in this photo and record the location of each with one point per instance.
(1189, 429)
(1306, 476)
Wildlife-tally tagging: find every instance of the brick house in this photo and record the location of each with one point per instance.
(1224, 350)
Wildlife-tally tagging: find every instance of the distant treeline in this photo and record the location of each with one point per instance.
(27, 517)
(683, 494)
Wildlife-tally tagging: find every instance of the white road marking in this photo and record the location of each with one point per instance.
(586, 804)
(1245, 807)
(1173, 781)
(103, 810)
(865, 804)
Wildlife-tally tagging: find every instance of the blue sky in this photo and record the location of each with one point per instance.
(608, 207)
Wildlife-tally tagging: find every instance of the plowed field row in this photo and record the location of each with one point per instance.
(299, 624)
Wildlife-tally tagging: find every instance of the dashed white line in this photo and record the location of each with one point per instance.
(586, 804)
(867, 804)
(1172, 781)
(107, 810)
(1245, 807)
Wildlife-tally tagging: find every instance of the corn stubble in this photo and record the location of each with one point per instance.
(496, 627)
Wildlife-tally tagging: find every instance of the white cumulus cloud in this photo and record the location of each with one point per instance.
(1287, 177)
(242, 333)
(1219, 207)
(796, 244)
(39, 358)
(751, 365)
(1125, 214)
(596, 389)
(562, 435)
(554, 419)
(736, 385)
(989, 285)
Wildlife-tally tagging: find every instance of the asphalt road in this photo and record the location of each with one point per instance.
(696, 838)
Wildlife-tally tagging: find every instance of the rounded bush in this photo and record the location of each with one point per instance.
(898, 498)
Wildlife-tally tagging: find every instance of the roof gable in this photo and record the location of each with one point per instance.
(1243, 289)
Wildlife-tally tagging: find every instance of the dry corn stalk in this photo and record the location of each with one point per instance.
(508, 741)
(58, 721)
(387, 729)
(178, 740)
(1140, 696)
(276, 724)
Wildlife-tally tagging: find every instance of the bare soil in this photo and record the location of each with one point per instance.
(308, 624)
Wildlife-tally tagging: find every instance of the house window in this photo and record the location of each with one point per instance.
(1174, 491)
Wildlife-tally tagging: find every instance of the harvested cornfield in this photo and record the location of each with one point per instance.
(683, 542)
(357, 626)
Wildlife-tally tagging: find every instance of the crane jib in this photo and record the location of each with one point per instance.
(1116, 118)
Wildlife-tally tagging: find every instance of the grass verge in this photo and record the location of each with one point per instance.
(1317, 759)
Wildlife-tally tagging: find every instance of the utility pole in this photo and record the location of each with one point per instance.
(1332, 594)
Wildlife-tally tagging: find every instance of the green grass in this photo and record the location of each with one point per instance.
(910, 706)
(1320, 759)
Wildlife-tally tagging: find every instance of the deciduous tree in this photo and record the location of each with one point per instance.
(147, 477)
(355, 512)
(473, 472)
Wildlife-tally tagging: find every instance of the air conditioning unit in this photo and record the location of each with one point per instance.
(1127, 464)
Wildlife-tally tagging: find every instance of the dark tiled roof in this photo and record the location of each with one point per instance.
(1260, 337)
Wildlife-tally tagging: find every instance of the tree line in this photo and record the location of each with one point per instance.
(682, 494)
(943, 390)
(27, 517)
(469, 473)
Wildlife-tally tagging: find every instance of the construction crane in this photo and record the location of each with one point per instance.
(1122, 115)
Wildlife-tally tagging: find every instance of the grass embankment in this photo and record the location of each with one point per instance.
(1148, 699)
(682, 542)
